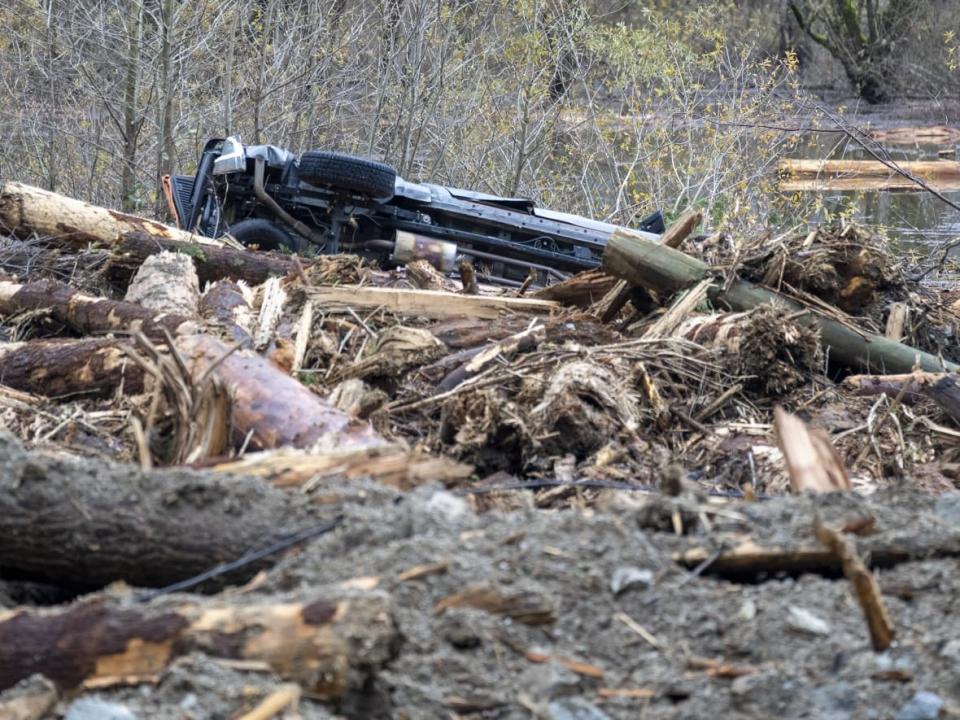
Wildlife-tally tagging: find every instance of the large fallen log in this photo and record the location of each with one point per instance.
(268, 408)
(942, 388)
(89, 314)
(93, 367)
(82, 523)
(325, 643)
(25, 209)
(632, 257)
(211, 262)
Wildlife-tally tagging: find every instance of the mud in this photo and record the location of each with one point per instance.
(707, 646)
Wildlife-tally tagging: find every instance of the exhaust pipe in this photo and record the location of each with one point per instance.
(408, 247)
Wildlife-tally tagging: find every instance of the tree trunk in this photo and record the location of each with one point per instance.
(83, 523)
(268, 408)
(212, 263)
(25, 209)
(67, 368)
(665, 271)
(320, 642)
(131, 93)
(87, 314)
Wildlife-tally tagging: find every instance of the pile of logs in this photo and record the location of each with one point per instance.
(213, 339)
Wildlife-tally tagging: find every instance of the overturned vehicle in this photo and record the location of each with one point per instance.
(328, 202)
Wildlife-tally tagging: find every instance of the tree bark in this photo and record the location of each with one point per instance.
(212, 263)
(319, 642)
(84, 523)
(664, 270)
(89, 314)
(942, 388)
(225, 306)
(63, 368)
(268, 408)
(25, 209)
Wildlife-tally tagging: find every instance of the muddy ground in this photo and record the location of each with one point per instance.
(631, 632)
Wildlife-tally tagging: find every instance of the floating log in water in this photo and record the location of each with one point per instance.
(815, 175)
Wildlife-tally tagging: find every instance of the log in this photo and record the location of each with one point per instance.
(226, 306)
(322, 642)
(88, 314)
(388, 464)
(581, 290)
(817, 175)
(25, 209)
(425, 276)
(423, 303)
(83, 523)
(634, 258)
(270, 407)
(166, 282)
(927, 169)
(942, 388)
(60, 369)
(212, 263)
(897, 321)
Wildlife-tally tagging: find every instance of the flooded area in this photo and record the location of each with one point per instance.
(917, 218)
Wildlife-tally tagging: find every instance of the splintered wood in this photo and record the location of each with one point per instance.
(812, 462)
(865, 586)
(99, 643)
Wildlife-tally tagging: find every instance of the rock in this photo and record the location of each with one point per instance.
(550, 681)
(748, 611)
(947, 508)
(922, 706)
(626, 577)
(458, 627)
(447, 507)
(575, 709)
(951, 651)
(836, 701)
(91, 708)
(805, 621)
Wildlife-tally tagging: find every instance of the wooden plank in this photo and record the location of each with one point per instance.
(423, 303)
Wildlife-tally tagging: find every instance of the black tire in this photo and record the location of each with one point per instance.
(347, 172)
(266, 235)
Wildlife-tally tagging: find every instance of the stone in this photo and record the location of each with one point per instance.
(458, 627)
(835, 701)
(575, 708)
(91, 708)
(626, 577)
(447, 507)
(802, 620)
(947, 508)
(550, 681)
(748, 611)
(922, 706)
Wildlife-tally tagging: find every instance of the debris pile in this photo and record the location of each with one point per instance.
(366, 453)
